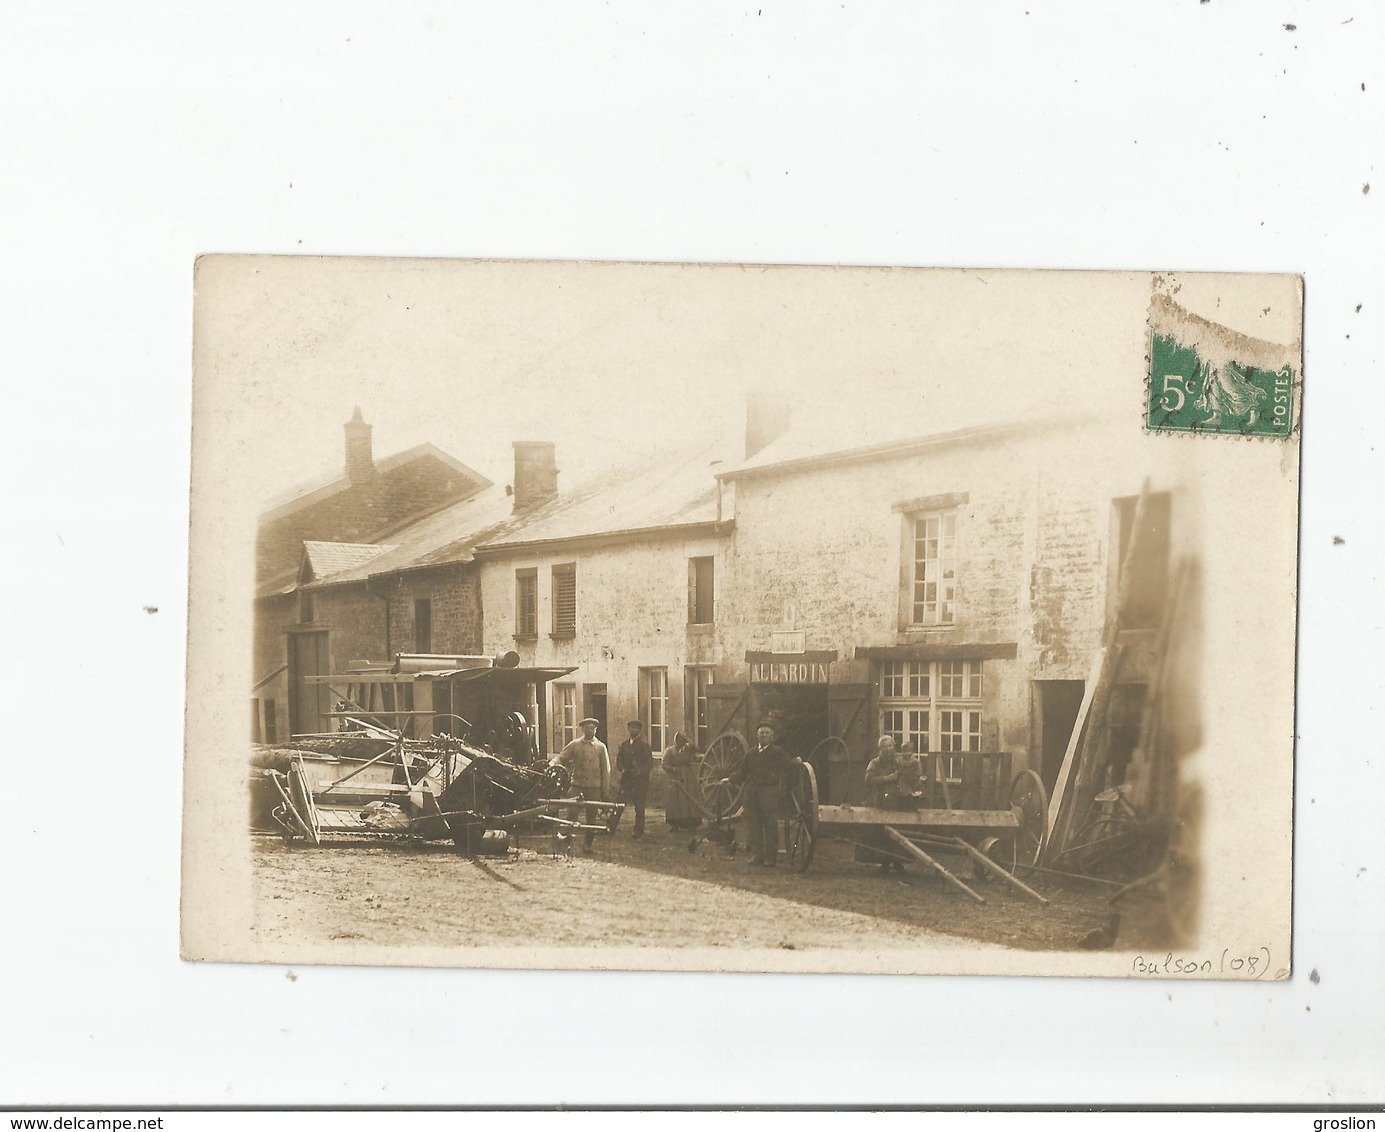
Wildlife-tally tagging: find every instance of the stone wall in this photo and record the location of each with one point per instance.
(632, 613)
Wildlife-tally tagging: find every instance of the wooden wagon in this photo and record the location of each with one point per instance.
(968, 806)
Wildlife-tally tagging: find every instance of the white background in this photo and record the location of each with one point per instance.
(134, 136)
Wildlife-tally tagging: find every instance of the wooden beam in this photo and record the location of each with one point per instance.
(1005, 874)
(914, 851)
(1089, 753)
(866, 815)
(1143, 758)
(1060, 784)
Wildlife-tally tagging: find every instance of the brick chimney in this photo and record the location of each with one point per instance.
(766, 418)
(536, 473)
(360, 463)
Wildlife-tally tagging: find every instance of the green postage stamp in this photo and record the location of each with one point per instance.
(1207, 378)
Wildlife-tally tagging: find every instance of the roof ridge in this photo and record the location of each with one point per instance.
(306, 491)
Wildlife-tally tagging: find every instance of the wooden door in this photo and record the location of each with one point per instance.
(308, 702)
(728, 709)
(849, 719)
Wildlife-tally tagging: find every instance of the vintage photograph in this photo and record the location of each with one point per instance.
(725, 617)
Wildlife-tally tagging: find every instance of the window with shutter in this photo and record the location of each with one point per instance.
(565, 600)
(701, 579)
(526, 603)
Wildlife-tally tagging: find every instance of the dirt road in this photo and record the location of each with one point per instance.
(649, 892)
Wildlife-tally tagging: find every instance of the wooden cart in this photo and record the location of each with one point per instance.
(969, 806)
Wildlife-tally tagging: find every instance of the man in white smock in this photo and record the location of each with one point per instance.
(589, 763)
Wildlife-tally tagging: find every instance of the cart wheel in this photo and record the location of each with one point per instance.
(1001, 850)
(723, 758)
(822, 756)
(801, 824)
(1029, 800)
(1096, 843)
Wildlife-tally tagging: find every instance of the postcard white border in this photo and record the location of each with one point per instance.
(893, 135)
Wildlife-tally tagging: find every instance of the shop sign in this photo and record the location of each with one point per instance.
(789, 671)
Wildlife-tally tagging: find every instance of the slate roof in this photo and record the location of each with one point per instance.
(672, 491)
(328, 558)
(675, 490)
(324, 487)
(446, 536)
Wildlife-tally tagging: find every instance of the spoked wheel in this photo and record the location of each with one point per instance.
(801, 817)
(1029, 800)
(723, 758)
(1001, 850)
(827, 752)
(1098, 841)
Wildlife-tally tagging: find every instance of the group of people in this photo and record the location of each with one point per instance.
(589, 762)
(761, 774)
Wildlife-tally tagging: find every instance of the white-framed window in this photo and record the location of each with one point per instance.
(654, 706)
(699, 683)
(933, 576)
(932, 706)
(565, 713)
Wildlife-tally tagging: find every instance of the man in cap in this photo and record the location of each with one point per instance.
(634, 761)
(590, 765)
(762, 772)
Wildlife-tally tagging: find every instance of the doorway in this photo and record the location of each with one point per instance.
(801, 713)
(1055, 709)
(594, 707)
(308, 703)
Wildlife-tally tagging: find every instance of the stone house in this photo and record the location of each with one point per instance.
(617, 582)
(328, 527)
(950, 590)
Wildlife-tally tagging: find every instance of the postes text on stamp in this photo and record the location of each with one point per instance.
(1207, 378)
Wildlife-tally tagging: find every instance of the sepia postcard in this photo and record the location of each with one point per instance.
(742, 618)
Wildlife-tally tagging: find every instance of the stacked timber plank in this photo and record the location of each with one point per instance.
(1128, 671)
